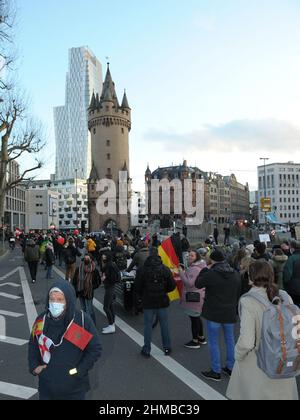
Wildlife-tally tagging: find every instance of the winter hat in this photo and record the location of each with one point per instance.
(57, 290)
(203, 252)
(217, 256)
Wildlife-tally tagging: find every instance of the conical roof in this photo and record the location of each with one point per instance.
(125, 104)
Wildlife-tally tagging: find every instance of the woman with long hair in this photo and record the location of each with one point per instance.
(248, 381)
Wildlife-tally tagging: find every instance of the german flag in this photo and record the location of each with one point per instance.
(37, 328)
(171, 254)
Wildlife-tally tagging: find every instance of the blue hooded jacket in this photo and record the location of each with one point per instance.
(55, 381)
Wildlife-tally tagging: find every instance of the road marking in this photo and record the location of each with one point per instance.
(184, 375)
(10, 284)
(28, 299)
(8, 296)
(17, 391)
(12, 340)
(9, 274)
(11, 314)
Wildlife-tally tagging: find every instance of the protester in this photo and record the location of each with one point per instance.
(86, 280)
(222, 292)
(248, 381)
(216, 235)
(278, 262)
(153, 283)
(260, 252)
(91, 248)
(140, 257)
(121, 257)
(192, 299)
(291, 273)
(70, 255)
(63, 347)
(285, 246)
(32, 257)
(49, 260)
(111, 276)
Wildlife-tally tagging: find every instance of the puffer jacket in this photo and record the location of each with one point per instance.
(189, 278)
(278, 263)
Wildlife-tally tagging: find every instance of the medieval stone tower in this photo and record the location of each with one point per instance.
(109, 124)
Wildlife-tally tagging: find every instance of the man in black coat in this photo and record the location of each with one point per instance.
(63, 347)
(223, 291)
(153, 283)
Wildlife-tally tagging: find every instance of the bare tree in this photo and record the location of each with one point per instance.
(19, 136)
(7, 56)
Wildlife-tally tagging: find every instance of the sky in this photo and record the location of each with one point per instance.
(215, 82)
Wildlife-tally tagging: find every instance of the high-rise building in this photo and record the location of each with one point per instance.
(280, 182)
(73, 142)
(109, 124)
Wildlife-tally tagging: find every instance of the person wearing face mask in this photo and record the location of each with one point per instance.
(86, 280)
(63, 347)
(192, 299)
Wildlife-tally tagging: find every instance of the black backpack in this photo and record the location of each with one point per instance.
(155, 282)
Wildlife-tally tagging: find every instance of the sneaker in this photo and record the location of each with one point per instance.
(212, 376)
(109, 330)
(167, 352)
(192, 345)
(227, 371)
(145, 354)
(202, 341)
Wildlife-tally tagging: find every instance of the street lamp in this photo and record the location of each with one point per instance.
(265, 183)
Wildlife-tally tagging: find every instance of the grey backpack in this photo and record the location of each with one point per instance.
(278, 355)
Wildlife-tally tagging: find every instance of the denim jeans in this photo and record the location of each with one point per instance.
(213, 330)
(49, 271)
(88, 308)
(149, 315)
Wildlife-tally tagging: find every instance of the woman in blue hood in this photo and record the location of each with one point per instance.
(63, 347)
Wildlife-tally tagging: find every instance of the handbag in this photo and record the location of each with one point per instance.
(193, 297)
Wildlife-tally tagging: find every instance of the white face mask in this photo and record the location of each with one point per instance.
(56, 309)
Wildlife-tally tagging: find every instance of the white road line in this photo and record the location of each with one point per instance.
(8, 296)
(9, 274)
(29, 304)
(12, 340)
(17, 391)
(10, 284)
(11, 314)
(184, 375)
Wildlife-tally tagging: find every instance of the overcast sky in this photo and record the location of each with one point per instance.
(216, 82)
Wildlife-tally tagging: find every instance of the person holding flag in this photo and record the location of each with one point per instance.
(63, 347)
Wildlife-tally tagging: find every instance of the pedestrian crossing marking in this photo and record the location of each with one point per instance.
(12, 340)
(17, 391)
(11, 314)
(9, 296)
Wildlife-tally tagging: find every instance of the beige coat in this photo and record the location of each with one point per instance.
(248, 382)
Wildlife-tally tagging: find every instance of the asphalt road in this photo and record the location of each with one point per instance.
(121, 374)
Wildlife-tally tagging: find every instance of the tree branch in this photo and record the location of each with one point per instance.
(22, 178)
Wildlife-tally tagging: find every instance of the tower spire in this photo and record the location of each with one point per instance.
(125, 104)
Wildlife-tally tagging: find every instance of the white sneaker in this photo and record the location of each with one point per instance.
(109, 330)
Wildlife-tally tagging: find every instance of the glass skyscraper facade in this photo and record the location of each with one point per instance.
(73, 143)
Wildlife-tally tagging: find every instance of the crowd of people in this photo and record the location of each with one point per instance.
(220, 285)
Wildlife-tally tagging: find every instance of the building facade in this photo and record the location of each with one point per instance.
(15, 201)
(73, 143)
(225, 199)
(281, 183)
(109, 125)
(41, 209)
(71, 192)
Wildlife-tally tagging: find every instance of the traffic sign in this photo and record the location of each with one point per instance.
(266, 205)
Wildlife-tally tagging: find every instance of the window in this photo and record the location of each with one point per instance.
(108, 156)
(122, 129)
(94, 131)
(108, 143)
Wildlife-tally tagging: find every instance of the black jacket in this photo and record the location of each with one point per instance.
(55, 381)
(223, 291)
(96, 282)
(70, 254)
(49, 257)
(111, 272)
(154, 299)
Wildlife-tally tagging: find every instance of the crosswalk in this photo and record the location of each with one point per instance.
(10, 285)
